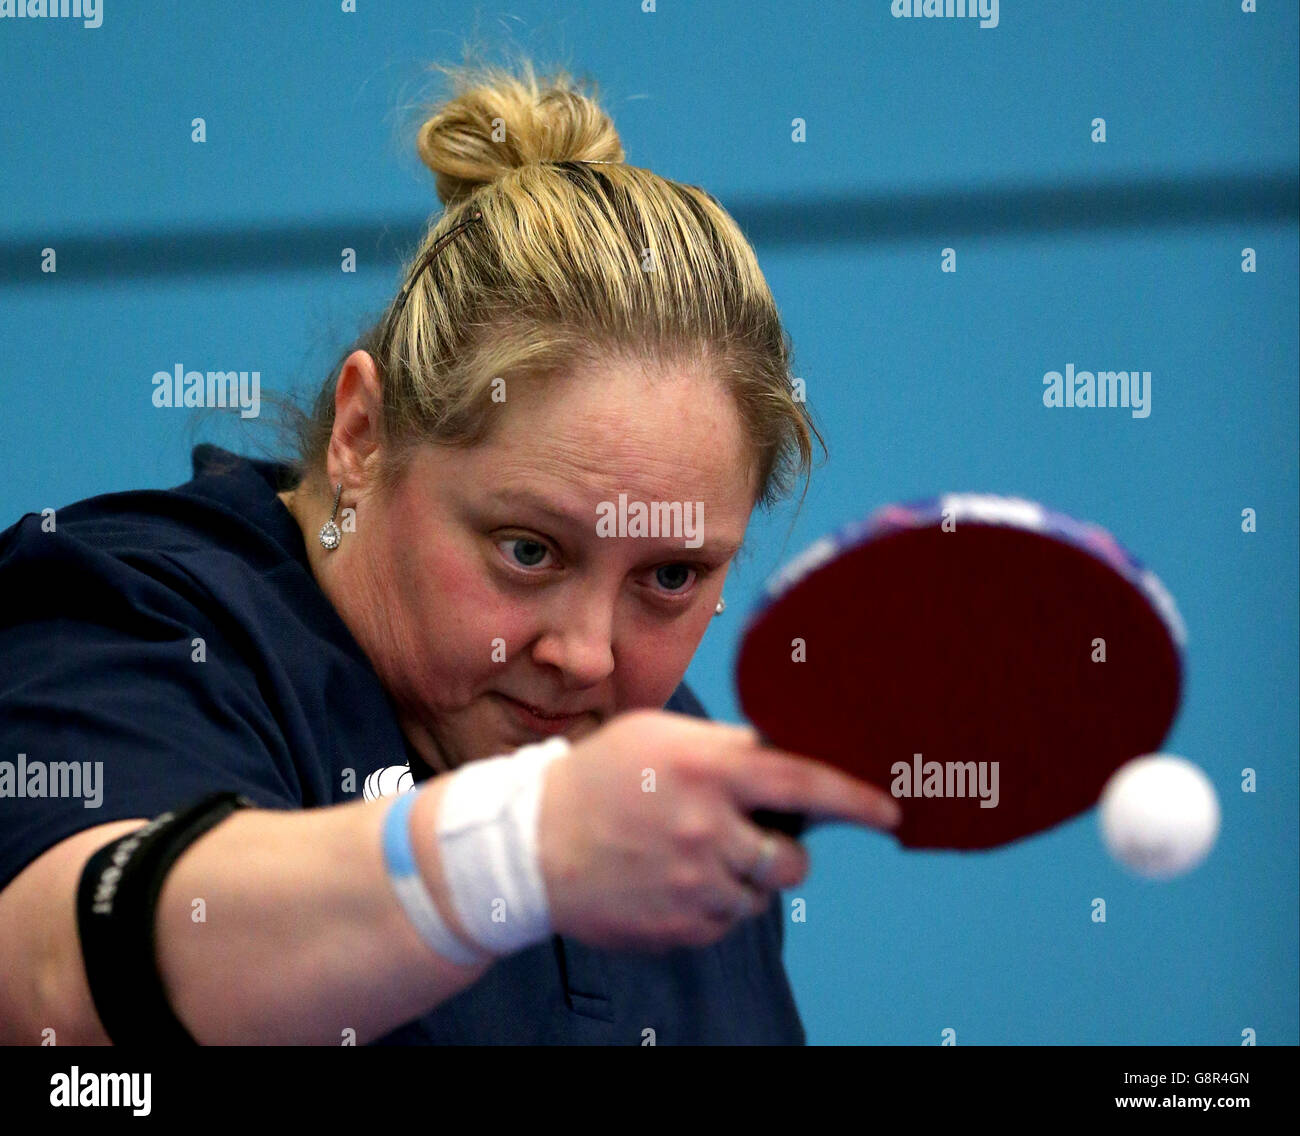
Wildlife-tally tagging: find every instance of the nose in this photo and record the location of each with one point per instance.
(579, 641)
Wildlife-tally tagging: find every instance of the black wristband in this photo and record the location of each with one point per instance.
(116, 903)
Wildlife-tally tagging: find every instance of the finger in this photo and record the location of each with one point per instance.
(710, 728)
(768, 778)
(733, 901)
(744, 854)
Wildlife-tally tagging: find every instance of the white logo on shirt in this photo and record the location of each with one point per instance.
(390, 781)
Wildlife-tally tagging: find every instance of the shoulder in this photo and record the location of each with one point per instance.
(145, 550)
(684, 701)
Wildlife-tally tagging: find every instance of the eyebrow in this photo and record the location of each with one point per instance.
(585, 522)
(540, 504)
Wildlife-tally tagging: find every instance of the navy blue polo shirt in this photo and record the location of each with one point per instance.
(159, 645)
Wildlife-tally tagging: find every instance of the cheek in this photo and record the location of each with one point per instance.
(654, 664)
(459, 615)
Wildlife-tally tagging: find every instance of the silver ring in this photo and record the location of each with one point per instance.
(757, 875)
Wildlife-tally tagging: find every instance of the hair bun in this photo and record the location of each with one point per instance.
(497, 121)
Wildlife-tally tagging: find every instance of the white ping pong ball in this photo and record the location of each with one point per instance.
(1159, 815)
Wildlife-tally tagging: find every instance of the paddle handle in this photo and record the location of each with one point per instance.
(792, 824)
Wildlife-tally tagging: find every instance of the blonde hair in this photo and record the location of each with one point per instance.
(561, 254)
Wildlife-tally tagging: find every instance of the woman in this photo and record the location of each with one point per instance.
(428, 587)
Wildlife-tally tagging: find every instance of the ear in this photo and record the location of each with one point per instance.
(353, 454)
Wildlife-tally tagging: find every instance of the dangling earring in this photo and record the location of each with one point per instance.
(329, 531)
(722, 606)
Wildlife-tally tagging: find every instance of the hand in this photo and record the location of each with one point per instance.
(631, 869)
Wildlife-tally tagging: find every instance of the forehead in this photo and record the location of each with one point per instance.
(668, 433)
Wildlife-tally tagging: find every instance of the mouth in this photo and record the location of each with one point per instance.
(539, 720)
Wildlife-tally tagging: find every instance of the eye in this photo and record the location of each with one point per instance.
(674, 577)
(523, 551)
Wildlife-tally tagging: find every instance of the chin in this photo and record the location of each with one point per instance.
(493, 730)
(513, 739)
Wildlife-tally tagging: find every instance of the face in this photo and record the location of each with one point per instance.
(500, 591)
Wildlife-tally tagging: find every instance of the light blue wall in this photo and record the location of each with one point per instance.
(925, 382)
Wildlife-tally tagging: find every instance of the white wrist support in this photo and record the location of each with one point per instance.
(487, 840)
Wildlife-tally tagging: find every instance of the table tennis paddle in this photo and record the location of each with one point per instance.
(965, 629)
